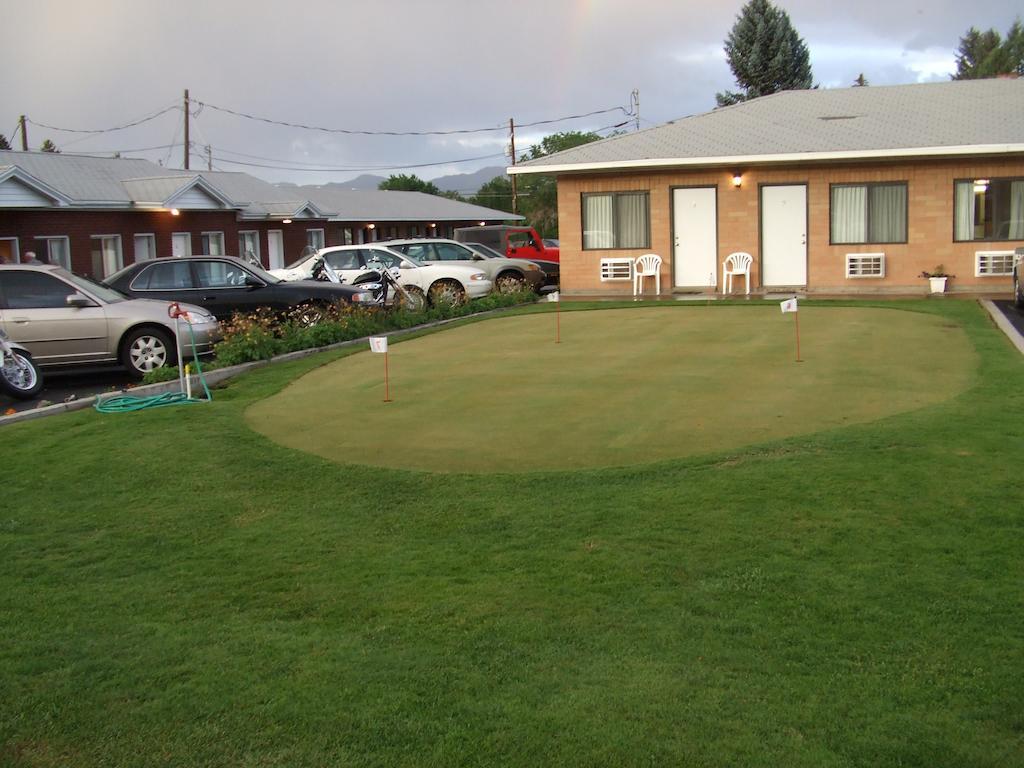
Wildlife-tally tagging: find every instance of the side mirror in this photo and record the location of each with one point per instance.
(251, 281)
(404, 265)
(78, 300)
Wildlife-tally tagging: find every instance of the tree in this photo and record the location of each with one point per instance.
(404, 183)
(4, 143)
(496, 193)
(861, 81)
(986, 54)
(49, 146)
(765, 53)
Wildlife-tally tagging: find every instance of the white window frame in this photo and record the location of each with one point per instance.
(241, 243)
(205, 236)
(182, 234)
(983, 263)
(120, 253)
(151, 237)
(616, 225)
(49, 254)
(322, 239)
(865, 265)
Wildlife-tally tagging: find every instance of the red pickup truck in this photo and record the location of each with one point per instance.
(514, 242)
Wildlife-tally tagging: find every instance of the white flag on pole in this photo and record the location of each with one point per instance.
(789, 305)
(379, 344)
(553, 296)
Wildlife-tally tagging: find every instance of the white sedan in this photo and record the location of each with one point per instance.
(427, 282)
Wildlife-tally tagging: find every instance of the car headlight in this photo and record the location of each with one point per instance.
(532, 268)
(478, 276)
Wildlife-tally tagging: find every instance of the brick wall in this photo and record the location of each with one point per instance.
(929, 235)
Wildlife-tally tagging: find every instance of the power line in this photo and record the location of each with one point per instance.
(140, 121)
(358, 168)
(350, 131)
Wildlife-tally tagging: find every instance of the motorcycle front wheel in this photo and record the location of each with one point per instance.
(20, 376)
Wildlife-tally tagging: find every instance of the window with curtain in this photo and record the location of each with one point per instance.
(106, 255)
(988, 209)
(616, 220)
(213, 243)
(249, 245)
(315, 238)
(58, 251)
(869, 213)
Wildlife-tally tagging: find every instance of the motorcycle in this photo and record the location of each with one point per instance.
(19, 374)
(379, 280)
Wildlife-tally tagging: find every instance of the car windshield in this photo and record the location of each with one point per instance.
(103, 292)
(486, 251)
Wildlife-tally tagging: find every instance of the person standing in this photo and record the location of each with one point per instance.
(30, 258)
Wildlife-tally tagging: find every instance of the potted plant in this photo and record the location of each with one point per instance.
(937, 279)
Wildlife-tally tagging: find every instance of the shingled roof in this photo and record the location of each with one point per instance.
(965, 117)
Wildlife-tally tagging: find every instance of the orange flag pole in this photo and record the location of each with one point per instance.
(796, 318)
(558, 321)
(387, 386)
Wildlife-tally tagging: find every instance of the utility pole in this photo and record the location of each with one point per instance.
(24, 136)
(188, 144)
(209, 157)
(512, 133)
(635, 98)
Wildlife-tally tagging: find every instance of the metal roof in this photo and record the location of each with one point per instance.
(962, 117)
(85, 181)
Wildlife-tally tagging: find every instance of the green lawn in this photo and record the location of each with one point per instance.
(178, 590)
(625, 387)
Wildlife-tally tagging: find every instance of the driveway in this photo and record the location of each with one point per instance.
(1011, 313)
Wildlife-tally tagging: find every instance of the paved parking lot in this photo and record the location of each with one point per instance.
(61, 385)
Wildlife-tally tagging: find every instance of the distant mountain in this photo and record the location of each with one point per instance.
(467, 184)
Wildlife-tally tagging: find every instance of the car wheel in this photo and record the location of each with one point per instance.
(416, 301)
(509, 282)
(447, 292)
(19, 376)
(1018, 290)
(145, 350)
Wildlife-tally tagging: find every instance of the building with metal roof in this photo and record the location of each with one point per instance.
(89, 213)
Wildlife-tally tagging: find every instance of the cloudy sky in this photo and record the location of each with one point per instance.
(414, 66)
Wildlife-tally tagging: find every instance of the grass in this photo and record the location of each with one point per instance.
(626, 387)
(178, 590)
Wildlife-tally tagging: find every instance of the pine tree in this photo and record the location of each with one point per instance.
(49, 146)
(861, 81)
(765, 53)
(4, 143)
(986, 54)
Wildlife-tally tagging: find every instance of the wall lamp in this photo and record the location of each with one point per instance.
(175, 212)
(286, 221)
(433, 226)
(371, 226)
(737, 180)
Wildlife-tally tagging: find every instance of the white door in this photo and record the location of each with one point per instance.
(694, 222)
(784, 236)
(275, 243)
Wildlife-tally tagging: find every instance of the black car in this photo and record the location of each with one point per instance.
(224, 284)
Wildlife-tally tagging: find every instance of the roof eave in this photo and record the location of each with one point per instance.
(785, 158)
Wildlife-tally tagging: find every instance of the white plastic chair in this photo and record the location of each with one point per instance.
(736, 264)
(648, 265)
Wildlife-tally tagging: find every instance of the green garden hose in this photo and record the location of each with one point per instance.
(129, 403)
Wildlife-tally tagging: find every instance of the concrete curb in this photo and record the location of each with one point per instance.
(1004, 325)
(220, 375)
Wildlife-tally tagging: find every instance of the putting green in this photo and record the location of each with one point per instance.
(624, 387)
